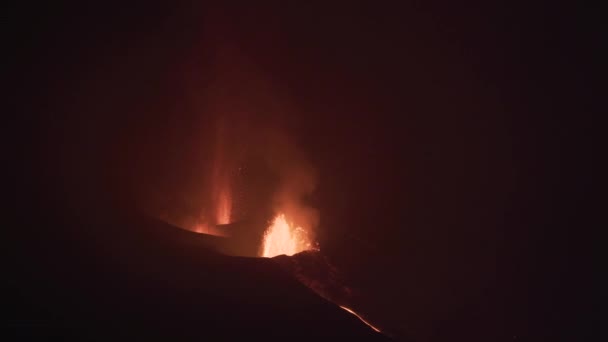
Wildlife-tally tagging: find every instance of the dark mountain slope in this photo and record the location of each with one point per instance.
(145, 279)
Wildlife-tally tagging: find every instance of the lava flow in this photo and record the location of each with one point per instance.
(360, 318)
(283, 237)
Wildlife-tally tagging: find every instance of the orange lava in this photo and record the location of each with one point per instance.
(282, 237)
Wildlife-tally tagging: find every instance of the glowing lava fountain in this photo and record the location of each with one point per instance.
(283, 237)
(223, 207)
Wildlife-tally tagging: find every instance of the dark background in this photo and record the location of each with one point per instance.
(451, 141)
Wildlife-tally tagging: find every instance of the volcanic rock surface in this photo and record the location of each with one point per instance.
(315, 271)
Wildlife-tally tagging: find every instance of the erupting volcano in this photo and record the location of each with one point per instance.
(253, 181)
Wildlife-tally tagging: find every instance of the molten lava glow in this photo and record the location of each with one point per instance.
(203, 228)
(283, 238)
(360, 318)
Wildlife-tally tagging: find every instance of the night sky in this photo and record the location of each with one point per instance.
(449, 142)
